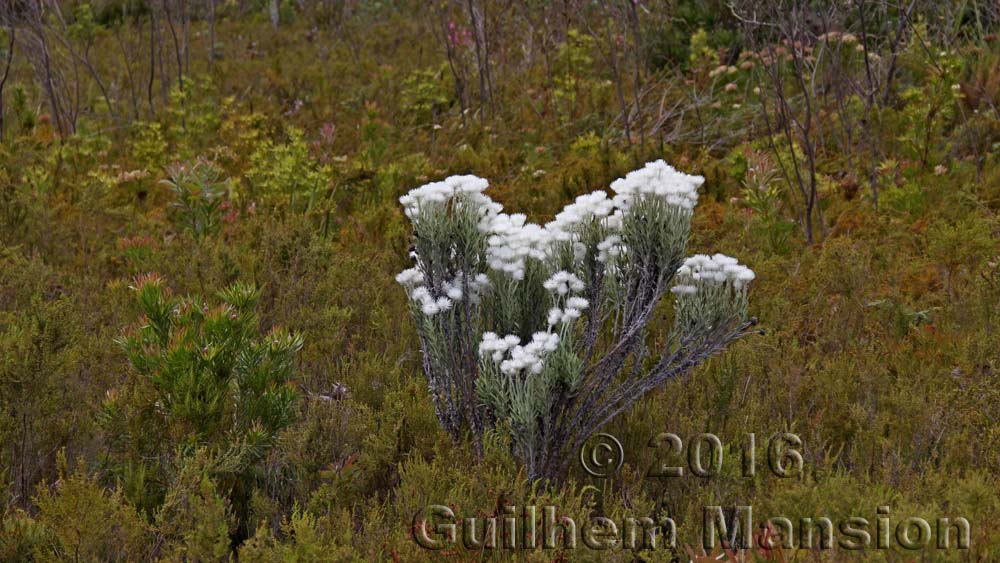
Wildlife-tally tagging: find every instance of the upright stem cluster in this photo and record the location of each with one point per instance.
(541, 329)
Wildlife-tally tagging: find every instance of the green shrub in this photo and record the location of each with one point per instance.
(483, 278)
(81, 520)
(203, 378)
(284, 174)
(198, 191)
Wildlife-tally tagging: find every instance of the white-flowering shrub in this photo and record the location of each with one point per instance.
(542, 328)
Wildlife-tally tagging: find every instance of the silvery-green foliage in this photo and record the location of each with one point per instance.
(451, 223)
(542, 328)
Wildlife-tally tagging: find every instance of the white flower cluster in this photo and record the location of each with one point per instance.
(568, 307)
(513, 241)
(572, 311)
(718, 269)
(586, 208)
(710, 291)
(452, 292)
(562, 282)
(427, 302)
(661, 180)
(530, 357)
(410, 277)
(571, 222)
(437, 194)
(497, 347)
(609, 248)
(453, 288)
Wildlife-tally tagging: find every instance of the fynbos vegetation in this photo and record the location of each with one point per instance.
(258, 301)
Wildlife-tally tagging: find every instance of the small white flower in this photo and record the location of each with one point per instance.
(410, 276)
(555, 314)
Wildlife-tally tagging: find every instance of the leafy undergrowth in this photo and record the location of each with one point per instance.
(277, 175)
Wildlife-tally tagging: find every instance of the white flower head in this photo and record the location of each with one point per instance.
(512, 242)
(410, 277)
(587, 208)
(658, 179)
(702, 271)
(513, 358)
(465, 190)
(562, 282)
